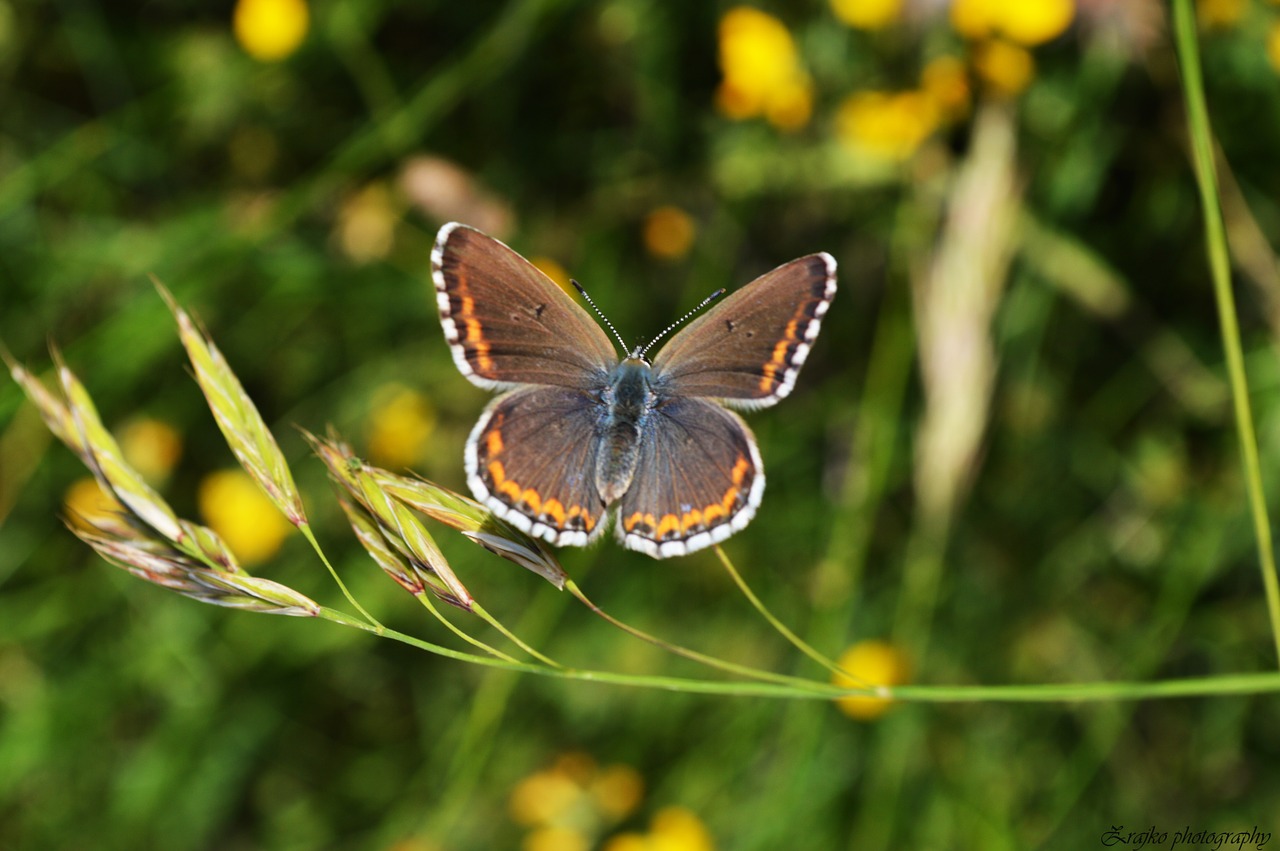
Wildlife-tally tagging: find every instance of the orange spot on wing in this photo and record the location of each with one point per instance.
(531, 498)
(494, 443)
(501, 484)
(691, 520)
(778, 358)
(642, 523)
(475, 330)
(528, 500)
(712, 513)
(554, 510)
(740, 469)
(730, 499)
(588, 521)
(668, 523)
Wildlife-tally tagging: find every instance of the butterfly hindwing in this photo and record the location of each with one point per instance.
(698, 480)
(506, 322)
(531, 459)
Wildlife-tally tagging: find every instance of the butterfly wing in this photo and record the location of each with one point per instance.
(748, 349)
(507, 323)
(531, 459)
(699, 479)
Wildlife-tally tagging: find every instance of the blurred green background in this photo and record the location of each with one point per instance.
(1010, 456)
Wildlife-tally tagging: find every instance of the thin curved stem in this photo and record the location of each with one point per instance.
(1220, 267)
(798, 642)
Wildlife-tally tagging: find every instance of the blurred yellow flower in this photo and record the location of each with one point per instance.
(554, 271)
(234, 507)
(678, 829)
(86, 502)
(151, 447)
(1214, 14)
(1027, 22)
(270, 30)
(887, 124)
(543, 797)
(671, 829)
(669, 232)
(568, 805)
(867, 14)
(1273, 46)
(870, 663)
(946, 82)
(555, 839)
(1005, 67)
(617, 790)
(366, 227)
(762, 73)
(399, 424)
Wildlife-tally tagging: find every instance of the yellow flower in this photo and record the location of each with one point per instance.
(543, 797)
(366, 226)
(671, 829)
(1027, 22)
(568, 805)
(1007, 68)
(678, 829)
(1273, 46)
(234, 507)
(86, 502)
(791, 105)
(946, 83)
(554, 271)
(669, 232)
(399, 425)
(890, 125)
(762, 73)
(870, 663)
(270, 30)
(1214, 14)
(151, 447)
(617, 791)
(867, 14)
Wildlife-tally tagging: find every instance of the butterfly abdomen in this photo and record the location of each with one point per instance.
(627, 402)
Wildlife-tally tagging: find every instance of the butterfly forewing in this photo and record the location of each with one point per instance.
(506, 322)
(748, 349)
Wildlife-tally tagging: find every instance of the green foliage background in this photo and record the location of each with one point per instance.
(1106, 535)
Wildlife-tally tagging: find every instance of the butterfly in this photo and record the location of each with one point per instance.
(579, 432)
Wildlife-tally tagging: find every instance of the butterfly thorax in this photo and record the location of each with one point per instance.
(626, 403)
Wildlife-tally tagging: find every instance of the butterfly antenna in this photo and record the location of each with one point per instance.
(582, 291)
(647, 346)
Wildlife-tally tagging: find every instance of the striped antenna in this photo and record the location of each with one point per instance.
(642, 351)
(582, 291)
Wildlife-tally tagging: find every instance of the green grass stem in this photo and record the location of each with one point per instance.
(1220, 268)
